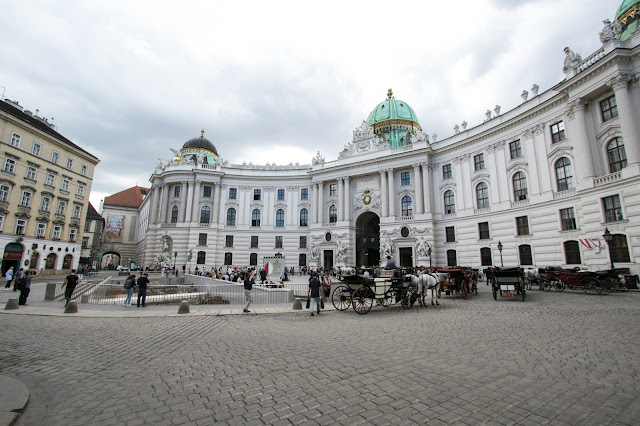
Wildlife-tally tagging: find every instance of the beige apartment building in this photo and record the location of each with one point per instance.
(45, 181)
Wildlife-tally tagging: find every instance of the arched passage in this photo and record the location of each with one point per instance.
(12, 256)
(368, 239)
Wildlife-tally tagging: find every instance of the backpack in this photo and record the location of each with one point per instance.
(19, 284)
(128, 284)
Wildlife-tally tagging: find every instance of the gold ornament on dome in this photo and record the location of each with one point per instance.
(176, 159)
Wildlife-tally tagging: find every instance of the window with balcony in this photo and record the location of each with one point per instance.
(304, 217)
(233, 193)
(57, 231)
(568, 219)
(231, 217)
(174, 214)
(9, 165)
(450, 234)
(280, 218)
(522, 225)
(609, 108)
(36, 148)
(280, 194)
(564, 174)
(333, 214)
(25, 201)
(15, 140)
(478, 162)
(278, 241)
(449, 202)
(446, 171)
(616, 155)
(612, 208)
(21, 226)
(483, 231)
(406, 206)
(255, 217)
(572, 253)
(205, 214)
(520, 191)
(482, 195)
(41, 230)
(405, 178)
(557, 132)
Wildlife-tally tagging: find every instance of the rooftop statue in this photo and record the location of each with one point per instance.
(571, 60)
(318, 159)
(610, 31)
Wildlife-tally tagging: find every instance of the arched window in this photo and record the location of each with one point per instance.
(174, 214)
(333, 214)
(205, 214)
(406, 203)
(482, 195)
(302, 259)
(231, 217)
(617, 155)
(519, 187)
(280, 218)
(253, 259)
(572, 253)
(451, 258)
(526, 258)
(304, 217)
(66, 261)
(201, 259)
(50, 262)
(449, 202)
(485, 256)
(564, 175)
(620, 249)
(255, 217)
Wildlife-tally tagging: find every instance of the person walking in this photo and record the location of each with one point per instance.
(129, 285)
(142, 289)
(326, 286)
(9, 277)
(249, 281)
(71, 282)
(26, 286)
(263, 275)
(314, 293)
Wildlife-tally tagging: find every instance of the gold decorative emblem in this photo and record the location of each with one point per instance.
(367, 198)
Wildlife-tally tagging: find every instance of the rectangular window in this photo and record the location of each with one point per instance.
(233, 193)
(228, 241)
(612, 208)
(80, 189)
(9, 165)
(50, 180)
(62, 206)
(46, 204)
(73, 234)
(333, 190)
(206, 191)
(69, 163)
(609, 108)
(1, 222)
(280, 194)
(405, 178)
(522, 225)
(478, 162)
(254, 241)
(40, 230)
(304, 193)
(36, 148)
(568, 219)
(4, 193)
(446, 171)
(31, 172)
(450, 233)
(85, 242)
(21, 226)
(25, 201)
(257, 194)
(176, 191)
(202, 239)
(515, 149)
(77, 210)
(483, 230)
(83, 170)
(557, 132)
(54, 157)
(15, 140)
(65, 185)
(57, 231)
(303, 242)
(87, 226)
(278, 241)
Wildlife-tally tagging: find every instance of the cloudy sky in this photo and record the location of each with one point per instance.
(274, 81)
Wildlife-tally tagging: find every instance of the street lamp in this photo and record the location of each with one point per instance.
(608, 238)
(429, 254)
(500, 250)
(175, 256)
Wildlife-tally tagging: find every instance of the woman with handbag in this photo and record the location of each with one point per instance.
(129, 285)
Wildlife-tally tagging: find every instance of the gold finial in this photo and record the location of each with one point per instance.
(389, 94)
(202, 133)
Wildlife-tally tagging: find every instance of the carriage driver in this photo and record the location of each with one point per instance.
(391, 264)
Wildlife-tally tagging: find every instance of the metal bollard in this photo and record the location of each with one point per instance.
(71, 308)
(12, 303)
(184, 307)
(297, 304)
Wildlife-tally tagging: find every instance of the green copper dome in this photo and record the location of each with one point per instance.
(628, 15)
(394, 120)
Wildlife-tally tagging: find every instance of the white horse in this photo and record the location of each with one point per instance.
(532, 276)
(429, 281)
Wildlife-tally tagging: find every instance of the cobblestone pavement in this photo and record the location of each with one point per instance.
(558, 358)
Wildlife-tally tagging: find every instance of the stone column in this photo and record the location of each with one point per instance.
(189, 202)
(155, 199)
(347, 198)
(314, 204)
(620, 86)
(196, 203)
(501, 164)
(183, 202)
(165, 203)
(384, 192)
(340, 199)
(494, 183)
(540, 141)
(214, 197)
(528, 144)
(426, 186)
(584, 169)
(221, 211)
(419, 209)
(392, 194)
(320, 202)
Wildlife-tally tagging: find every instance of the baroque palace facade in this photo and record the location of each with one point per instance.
(537, 185)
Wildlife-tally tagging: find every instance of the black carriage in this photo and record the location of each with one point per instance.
(361, 292)
(591, 282)
(508, 282)
(463, 281)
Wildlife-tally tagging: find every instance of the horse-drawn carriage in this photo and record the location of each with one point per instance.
(591, 282)
(461, 280)
(508, 282)
(361, 292)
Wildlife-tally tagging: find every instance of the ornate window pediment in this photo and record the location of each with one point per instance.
(4, 211)
(23, 215)
(58, 221)
(31, 188)
(517, 165)
(7, 182)
(481, 177)
(446, 186)
(559, 152)
(42, 219)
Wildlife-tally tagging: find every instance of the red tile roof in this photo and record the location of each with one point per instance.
(131, 197)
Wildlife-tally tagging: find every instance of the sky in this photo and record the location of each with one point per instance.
(277, 81)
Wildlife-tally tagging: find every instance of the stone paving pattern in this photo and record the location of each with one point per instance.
(558, 358)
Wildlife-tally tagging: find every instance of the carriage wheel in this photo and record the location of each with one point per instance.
(341, 298)
(362, 300)
(546, 285)
(405, 298)
(591, 285)
(559, 285)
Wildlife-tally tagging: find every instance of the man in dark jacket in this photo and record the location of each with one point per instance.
(249, 281)
(314, 293)
(142, 289)
(71, 282)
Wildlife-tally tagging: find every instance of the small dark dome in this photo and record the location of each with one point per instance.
(201, 143)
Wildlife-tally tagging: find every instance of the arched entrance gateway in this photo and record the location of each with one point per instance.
(367, 239)
(12, 256)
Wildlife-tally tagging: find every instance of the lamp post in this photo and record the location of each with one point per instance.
(175, 267)
(500, 250)
(429, 254)
(608, 238)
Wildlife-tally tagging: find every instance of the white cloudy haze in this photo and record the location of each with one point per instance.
(274, 81)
